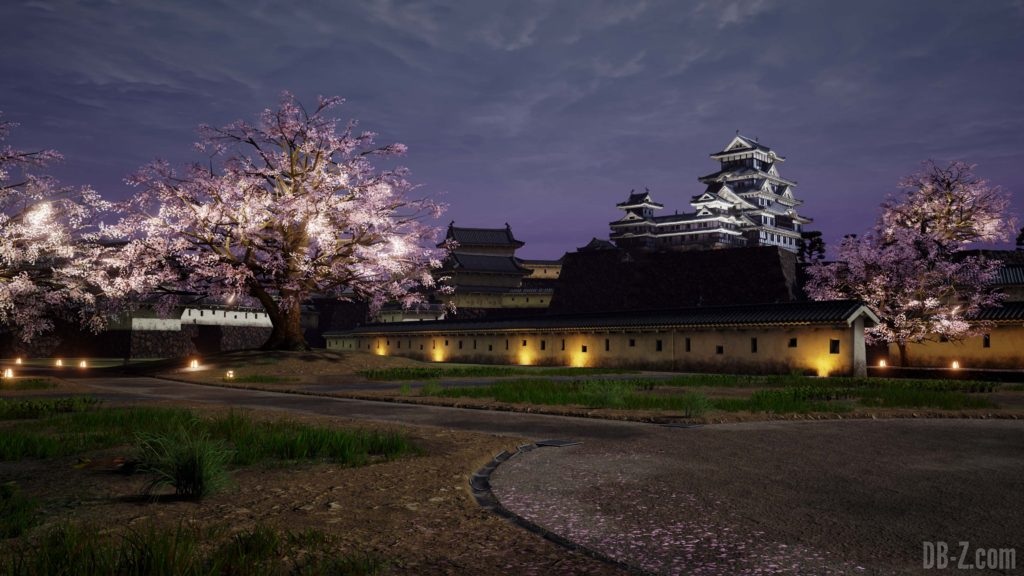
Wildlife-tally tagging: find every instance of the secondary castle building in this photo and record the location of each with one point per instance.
(487, 275)
(746, 202)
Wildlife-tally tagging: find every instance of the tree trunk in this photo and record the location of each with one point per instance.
(903, 353)
(287, 333)
(286, 319)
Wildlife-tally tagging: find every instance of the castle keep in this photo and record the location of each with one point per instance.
(745, 203)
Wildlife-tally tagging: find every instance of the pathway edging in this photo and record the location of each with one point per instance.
(480, 487)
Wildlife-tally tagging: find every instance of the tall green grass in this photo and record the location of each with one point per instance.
(30, 408)
(28, 384)
(187, 459)
(587, 393)
(809, 395)
(18, 512)
(183, 551)
(255, 442)
(63, 434)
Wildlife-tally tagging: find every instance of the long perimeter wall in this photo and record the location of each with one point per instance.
(815, 349)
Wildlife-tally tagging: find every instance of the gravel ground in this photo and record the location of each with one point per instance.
(850, 497)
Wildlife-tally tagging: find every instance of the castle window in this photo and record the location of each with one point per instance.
(583, 348)
(753, 345)
(445, 342)
(474, 344)
(607, 344)
(792, 342)
(460, 344)
(563, 344)
(632, 342)
(986, 341)
(506, 343)
(524, 342)
(719, 349)
(543, 344)
(490, 347)
(833, 346)
(657, 346)
(687, 344)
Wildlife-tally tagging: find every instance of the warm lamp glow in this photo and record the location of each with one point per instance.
(882, 364)
(525, 358)
(8, 373)
(824, 367)
(230, 375)
(578, 360)
(83, 364)
(193, 364)
(437, 355)
(17, 360)
(59, 362)
(956, 365)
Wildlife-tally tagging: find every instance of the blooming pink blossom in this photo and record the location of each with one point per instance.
(295, 208)
(908, 270)
(51, 261)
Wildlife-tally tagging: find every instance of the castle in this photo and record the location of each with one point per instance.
(746, 203)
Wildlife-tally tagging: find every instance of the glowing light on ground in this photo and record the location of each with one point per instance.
(193, 364)
(882, 364)
(83, 364)
(17, 360)
(8, 373)
(824, 367)
(956, 365)
(58, 363)
(230, 375)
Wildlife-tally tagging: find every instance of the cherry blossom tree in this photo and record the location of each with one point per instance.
(52, 262)
(286, 208)
(907, 268)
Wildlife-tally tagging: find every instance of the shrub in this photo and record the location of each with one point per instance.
(187, 459)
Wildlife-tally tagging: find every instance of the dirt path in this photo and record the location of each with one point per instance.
(836, 497)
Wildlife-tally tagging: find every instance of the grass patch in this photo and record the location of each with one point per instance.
(17, 511)
(62, 434)
(773, 394)
(432, 373)
(28, 384)
(256, 442)
(587, 393)
(186, 459)
(261, 379)
(33, 408)
(899, 397)
(187, 551)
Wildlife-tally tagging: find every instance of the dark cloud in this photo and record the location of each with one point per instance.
(540, 113)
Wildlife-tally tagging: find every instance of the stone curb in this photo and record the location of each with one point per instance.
(480, 486)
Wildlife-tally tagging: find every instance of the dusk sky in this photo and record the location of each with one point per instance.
(542, 114)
